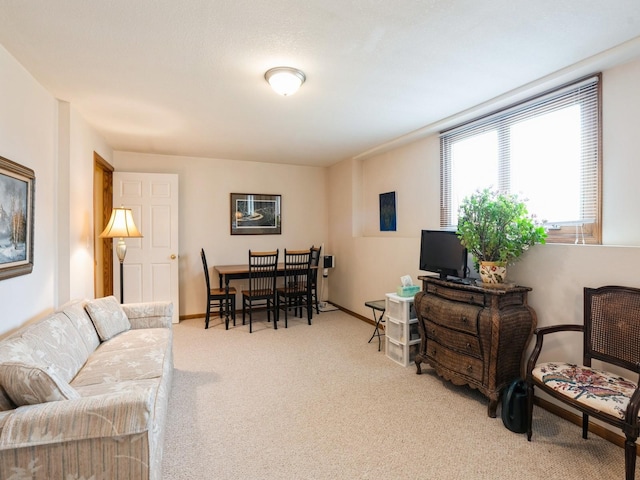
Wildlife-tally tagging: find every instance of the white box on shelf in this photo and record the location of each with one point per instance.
(401, 353)
(394, 329)
(400, 308)
(402, 332)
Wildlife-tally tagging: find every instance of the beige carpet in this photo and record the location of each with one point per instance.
(318, 402)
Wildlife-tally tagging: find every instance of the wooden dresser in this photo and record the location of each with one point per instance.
(473, 335)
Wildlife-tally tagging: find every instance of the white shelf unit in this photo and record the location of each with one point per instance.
(402, 337)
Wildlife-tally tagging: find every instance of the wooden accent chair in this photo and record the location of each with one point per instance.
(296, 290)
(263, 271)
(611, 334)
(218, 298)
(315, 266)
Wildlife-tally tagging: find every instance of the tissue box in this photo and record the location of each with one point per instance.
(408, 291)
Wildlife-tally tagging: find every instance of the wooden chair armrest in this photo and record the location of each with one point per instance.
(539, 333)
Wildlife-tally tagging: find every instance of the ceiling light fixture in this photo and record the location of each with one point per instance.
(285, 80)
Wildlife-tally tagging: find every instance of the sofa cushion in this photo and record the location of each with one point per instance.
(31, 384)
(80, 318)
(54, 343)
(132, 355)
(108, 317)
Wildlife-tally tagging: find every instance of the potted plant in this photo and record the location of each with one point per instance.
(496, 228)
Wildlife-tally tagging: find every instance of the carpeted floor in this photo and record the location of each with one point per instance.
(319, 402)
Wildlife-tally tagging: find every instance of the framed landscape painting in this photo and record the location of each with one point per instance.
(17, 186)
(255, 214)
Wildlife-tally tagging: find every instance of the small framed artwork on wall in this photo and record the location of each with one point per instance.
(17, 187)
(255, 214)
(388, 212)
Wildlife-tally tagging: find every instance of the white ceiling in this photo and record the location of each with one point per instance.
(185, 77)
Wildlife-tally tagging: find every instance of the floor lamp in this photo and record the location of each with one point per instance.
(121, 226)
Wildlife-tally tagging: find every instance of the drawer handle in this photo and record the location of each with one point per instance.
(464, 319)
(468, 346)
(471, 299)
(469, 368)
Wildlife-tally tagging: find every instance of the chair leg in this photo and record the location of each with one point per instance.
(244, 304)
(529, 410)
(233, 309)
(585, 425)
(630, 458)
(271, 306)
(206, 321)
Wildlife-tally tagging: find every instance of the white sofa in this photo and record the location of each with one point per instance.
(84, 393)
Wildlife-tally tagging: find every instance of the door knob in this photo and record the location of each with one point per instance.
(173, 257)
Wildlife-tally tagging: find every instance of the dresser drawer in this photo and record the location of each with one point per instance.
(455, 315)
(455, 362)
(457, 294)
(460, 342)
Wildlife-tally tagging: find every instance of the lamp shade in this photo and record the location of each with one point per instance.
(285, 80)
(121, 225)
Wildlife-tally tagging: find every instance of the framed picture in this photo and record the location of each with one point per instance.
(388, 212)
(17, 187)
(255, 214)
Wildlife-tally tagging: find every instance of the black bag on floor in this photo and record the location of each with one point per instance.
(514, 406)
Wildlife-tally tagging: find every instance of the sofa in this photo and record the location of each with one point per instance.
(84, 393)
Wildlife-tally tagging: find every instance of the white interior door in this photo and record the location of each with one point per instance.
(151, 263)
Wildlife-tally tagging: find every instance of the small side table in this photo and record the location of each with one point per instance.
(377, 306)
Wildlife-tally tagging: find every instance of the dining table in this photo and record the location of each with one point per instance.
(226, 273)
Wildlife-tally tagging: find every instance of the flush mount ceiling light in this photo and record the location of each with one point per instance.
(285, 80)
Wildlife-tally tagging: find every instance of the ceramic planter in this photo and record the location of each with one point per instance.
(493, 272)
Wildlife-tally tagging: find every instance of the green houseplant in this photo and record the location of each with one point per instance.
(497, 228)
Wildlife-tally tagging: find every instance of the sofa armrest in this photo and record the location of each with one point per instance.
(108, 415)
(149, 314)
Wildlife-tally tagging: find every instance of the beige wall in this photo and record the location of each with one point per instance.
(28, 136)
(205, 186)
(370, 262)
(47, 135)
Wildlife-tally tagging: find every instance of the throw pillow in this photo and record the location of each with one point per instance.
(31, 384)
(108, 317)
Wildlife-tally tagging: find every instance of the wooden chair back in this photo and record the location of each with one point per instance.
(297, 267)
(263, 267)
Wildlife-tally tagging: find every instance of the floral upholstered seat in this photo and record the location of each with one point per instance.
(601, 390)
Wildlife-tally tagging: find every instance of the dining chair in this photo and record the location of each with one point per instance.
(315, 266)
(263, 270)
(218, 298)
(296, 290)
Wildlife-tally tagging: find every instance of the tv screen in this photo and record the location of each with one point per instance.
(441, 252)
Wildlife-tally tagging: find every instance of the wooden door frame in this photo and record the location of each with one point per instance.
(101, 218)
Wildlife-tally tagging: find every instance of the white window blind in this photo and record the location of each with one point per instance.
(545, 149)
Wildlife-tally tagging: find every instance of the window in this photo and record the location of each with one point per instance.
(546, 149)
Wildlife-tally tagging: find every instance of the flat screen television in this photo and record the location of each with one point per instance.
(442, 252)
